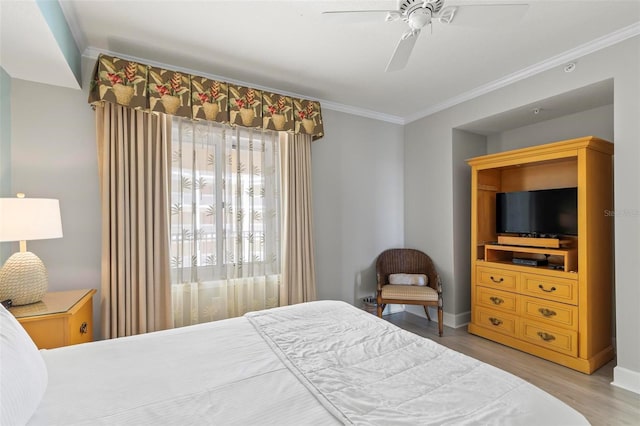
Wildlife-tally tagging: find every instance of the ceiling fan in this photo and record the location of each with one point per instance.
(418, 14)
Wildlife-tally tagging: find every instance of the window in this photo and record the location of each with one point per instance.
(225, 213)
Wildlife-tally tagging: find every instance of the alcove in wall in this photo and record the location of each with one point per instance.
(587, 111)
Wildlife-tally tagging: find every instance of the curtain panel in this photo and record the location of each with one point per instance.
(298, 266)
(133, 163)
(149, 88)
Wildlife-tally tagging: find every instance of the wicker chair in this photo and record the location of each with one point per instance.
(408, 261)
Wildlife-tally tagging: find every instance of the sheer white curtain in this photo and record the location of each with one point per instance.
(225, 221)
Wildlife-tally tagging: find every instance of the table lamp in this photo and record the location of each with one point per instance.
(23, 278)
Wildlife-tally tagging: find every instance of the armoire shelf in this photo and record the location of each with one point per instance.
(567, 259)
(533, 241)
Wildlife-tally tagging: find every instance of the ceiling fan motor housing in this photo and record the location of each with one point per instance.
(407, 7)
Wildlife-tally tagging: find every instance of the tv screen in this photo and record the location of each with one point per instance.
(545, 212)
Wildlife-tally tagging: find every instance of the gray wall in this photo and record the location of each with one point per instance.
(593, 122)
(358, 202)
(5, 148)
(429, 155)
(464, 145)
(53, 151)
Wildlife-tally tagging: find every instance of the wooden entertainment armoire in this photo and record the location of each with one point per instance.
(562, 311)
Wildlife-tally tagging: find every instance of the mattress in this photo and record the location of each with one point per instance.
(314, 363)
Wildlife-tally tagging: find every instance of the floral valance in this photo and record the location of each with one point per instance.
(149, 88)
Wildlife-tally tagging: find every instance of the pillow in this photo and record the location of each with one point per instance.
(408, 279)
(23, 373)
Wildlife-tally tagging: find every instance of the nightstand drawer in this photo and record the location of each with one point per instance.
(81, 325)
(46, 333)
(60, 319)
(498, 278)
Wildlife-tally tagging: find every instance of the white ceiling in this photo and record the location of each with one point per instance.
(582, 99)
(291, 47)
(28, 48)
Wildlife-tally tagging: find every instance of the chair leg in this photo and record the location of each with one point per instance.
(380, 308)
(426, 311)
(440, 325)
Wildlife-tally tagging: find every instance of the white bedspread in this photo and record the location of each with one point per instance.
(318, 363)
(220, 373)
(367, 371)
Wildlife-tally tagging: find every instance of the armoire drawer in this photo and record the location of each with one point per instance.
(497, 299)
(557, 339)
(497, 321)
(501, 279)
(551, 288)
(548, 312)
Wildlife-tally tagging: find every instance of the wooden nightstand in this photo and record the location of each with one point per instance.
(59, 319)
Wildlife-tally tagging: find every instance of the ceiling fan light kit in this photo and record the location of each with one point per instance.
(419, 19)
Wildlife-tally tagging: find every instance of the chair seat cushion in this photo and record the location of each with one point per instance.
(409, 292)
(409, 279)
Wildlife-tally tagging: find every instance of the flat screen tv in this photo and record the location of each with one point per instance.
(547, 212)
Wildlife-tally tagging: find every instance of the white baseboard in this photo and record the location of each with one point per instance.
(626, 379)
(392, 309)
(458, 320)
(450, 320)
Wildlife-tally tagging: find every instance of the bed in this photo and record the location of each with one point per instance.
(318, 363)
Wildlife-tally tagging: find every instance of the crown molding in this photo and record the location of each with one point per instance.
(552, 62)
(93, 53)
(600, 43)
(348, 109)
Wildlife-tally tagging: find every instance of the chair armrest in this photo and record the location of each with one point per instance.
(436, 284)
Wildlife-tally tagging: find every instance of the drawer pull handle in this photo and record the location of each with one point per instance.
(495, 280)
(83, 328)
(546, 336)
(495, 321)
(496, 300)
(541, 287)
(546, 312)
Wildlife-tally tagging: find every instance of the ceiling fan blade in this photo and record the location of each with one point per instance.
(329, 12)
(484, 15)
(402, 53)
(362, 16)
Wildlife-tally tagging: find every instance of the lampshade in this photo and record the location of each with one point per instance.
(25, 219)
(23, 278)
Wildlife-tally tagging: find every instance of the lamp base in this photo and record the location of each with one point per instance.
(23, 279)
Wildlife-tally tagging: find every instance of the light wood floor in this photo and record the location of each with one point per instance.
(592, 395)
